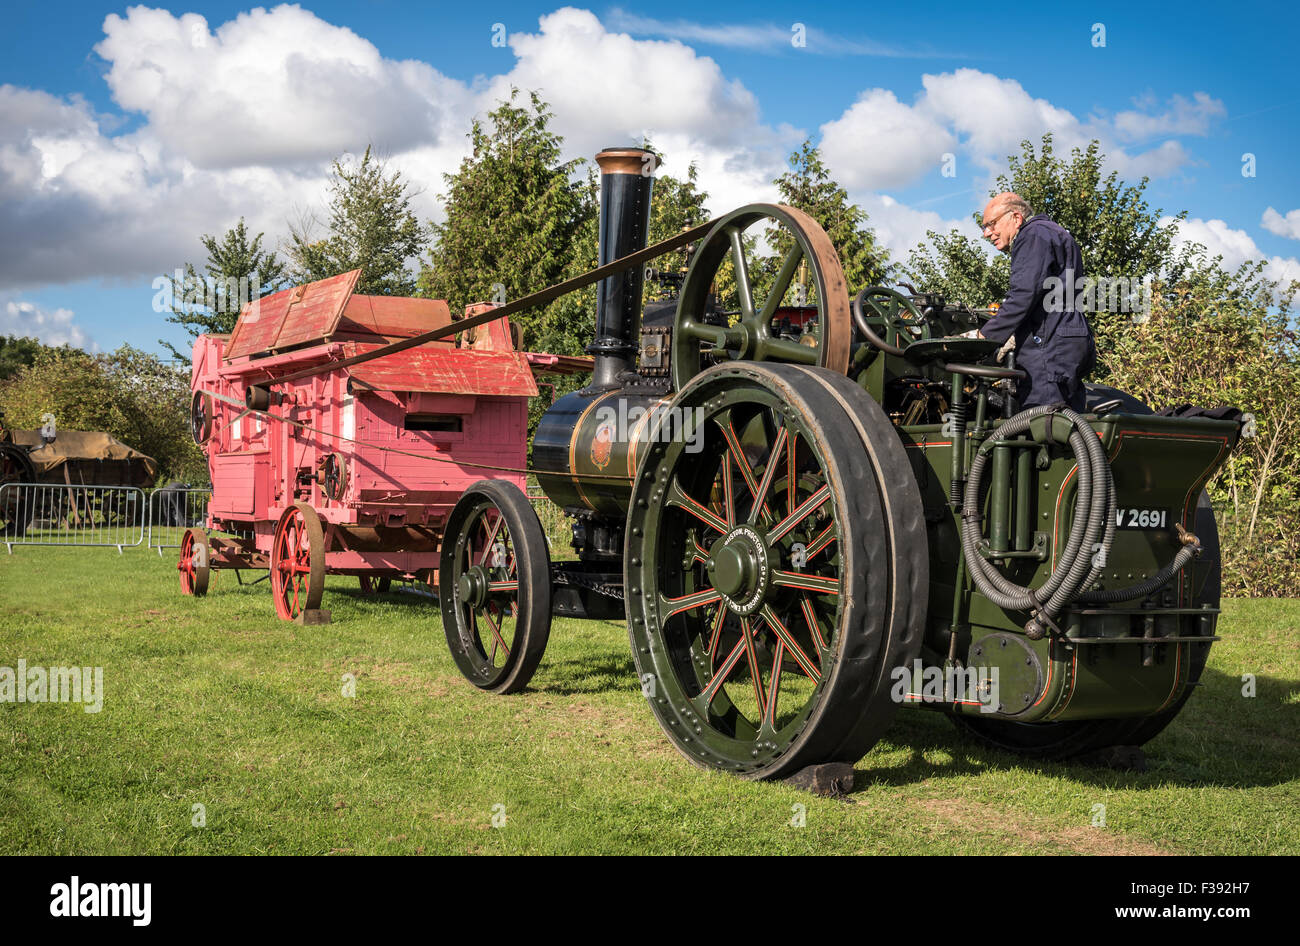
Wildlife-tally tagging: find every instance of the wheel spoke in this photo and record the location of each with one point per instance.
(769, 474)
(783, 349)
(806, 582)
(705, 699)
(496, 633)
(802, 512)
(796, 651)
(742, 462)
(774, 688)
(491, 537)
(748, 630)
(695, 599)
(743, 290)
(677, 497)
(810, 618)
(783, 278)
(824, 539)
(715, 635)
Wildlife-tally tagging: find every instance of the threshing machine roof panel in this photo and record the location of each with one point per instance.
(441, 370)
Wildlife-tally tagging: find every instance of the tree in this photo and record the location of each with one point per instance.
(1119, 235)
(238, 271)
(130, 394)
(518, 220)
(16, 352)
(808, 186)
(371, 228)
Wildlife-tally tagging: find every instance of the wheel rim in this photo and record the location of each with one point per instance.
(186, 563)
(738, 608)
(484, 584)
(752, 337)
(297, 562)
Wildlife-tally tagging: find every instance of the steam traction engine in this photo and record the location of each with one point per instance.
(814, 507)
(347, 469)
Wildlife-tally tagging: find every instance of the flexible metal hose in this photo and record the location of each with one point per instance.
(1077, 566)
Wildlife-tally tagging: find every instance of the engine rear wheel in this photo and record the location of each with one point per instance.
(758, 577)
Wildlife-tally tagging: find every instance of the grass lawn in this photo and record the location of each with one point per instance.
(215, 702)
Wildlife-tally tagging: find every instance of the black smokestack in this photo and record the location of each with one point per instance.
(626, 175)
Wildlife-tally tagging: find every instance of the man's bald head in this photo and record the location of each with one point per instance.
(1003, 216)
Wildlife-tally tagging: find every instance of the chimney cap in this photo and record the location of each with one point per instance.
(626, 160)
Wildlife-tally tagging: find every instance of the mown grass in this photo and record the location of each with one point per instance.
(215, 702)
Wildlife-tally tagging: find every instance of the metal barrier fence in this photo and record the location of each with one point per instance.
(554, 523)
(48, 514)
(172, 510)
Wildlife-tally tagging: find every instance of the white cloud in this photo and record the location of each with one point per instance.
(1236, 247)
(914, 142)
(1288, 226)
(28, 320)
(900, 227)
(881, 142)
(1182, 117)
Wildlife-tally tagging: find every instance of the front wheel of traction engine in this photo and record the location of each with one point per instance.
(760, 577)
(494, 587)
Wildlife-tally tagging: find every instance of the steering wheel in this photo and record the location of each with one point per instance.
(889, 319)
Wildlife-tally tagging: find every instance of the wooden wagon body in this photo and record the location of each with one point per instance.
(377, 452)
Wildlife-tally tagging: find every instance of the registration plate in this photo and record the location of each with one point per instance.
(1142, 518)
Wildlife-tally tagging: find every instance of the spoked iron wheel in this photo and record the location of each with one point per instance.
(193, 564)
(758, 578)
(16, 513)
(494, 587)
(297, 562)
(752, 336)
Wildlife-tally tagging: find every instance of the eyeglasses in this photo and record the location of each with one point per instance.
(988, 224)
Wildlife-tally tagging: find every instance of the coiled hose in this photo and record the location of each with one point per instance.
(1080, 562)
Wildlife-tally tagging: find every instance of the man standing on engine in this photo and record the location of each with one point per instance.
(1054, 344)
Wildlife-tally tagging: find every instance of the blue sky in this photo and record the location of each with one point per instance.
(125, 133)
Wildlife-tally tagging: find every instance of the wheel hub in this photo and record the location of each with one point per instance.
(739, 569)
(472, 587)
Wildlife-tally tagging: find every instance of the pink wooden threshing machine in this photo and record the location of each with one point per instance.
(349, 469)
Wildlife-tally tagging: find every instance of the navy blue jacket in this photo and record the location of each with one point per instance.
(1054, 344)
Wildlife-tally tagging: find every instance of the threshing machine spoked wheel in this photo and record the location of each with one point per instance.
(15, 504)
(1065, 739)
(297, 561)
(371, 585)
(201, 417)
(494, 587)
(892, 316)
(332, 475)
(761, 604)
(194, 563)
(760, 294)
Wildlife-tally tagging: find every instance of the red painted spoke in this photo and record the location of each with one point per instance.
(496, 632)
(695, 599)
(774, 689)
(796, 651)
(698, 552)
(825, 538)
(805, 582)
(769, 474)
(724, 671)
(810, 617)
(500, 587)
(748, 630)
(804, 510)
(676, 497)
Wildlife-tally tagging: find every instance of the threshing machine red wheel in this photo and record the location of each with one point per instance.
(332, 475)
(297, 561)
(771, 575)
(494, 587)
(193, 564)
(752, 337)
